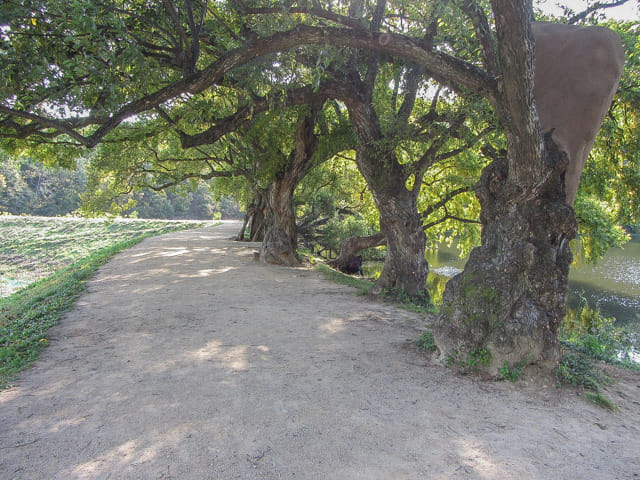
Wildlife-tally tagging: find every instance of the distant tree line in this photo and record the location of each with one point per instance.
(27, 187)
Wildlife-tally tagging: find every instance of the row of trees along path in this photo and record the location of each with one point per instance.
(180, 90)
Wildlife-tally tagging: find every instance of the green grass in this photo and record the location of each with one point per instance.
(426, 341)
(588, 338)
(361, 284)
(26, 315)
(511, 374)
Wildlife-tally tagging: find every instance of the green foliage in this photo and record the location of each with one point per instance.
(470, 362)
(426, 341)
(29, 187)
(477, 357)
(588, 337)
(339, 228)
(586, 331)
(511, 374)
(600, 400)
(597, 228)
(579, 370)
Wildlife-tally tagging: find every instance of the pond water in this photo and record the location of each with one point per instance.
(613, 284)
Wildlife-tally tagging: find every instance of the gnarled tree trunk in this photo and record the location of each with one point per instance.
(507, 305)
(352, 246)
(280, 239)
(405, 267)
(254, 218)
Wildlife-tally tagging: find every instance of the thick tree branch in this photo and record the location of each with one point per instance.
(483, 33)
(596, 6)
(411, 90)
(516, 107)
(460, 74)
(299, 96)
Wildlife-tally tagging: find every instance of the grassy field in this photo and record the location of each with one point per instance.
(54, 256)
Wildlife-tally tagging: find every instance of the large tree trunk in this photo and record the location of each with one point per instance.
(405, 267)
(254, 219)
(280, 240)
(507, 304)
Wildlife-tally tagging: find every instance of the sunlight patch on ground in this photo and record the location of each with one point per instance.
(233, 357)
(130, 454)
(117, 457)
(143, 254)
(207, 272)
(66, 423)
(334, 325)
(175, 252)
(215, 271)
(475, 461)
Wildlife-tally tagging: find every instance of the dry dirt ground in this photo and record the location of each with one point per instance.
(187, 359)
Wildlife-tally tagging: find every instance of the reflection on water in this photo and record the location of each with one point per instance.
(613, 284)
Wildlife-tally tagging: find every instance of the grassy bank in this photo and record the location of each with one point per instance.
(75, 249)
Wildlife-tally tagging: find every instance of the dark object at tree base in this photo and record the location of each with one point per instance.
(354, 266)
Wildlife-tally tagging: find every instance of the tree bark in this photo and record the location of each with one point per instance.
(508, 303)
(254, 218)
(352, 246)
(405, 267)
(280, 239)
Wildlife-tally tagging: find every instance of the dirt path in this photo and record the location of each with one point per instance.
(186, 359)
